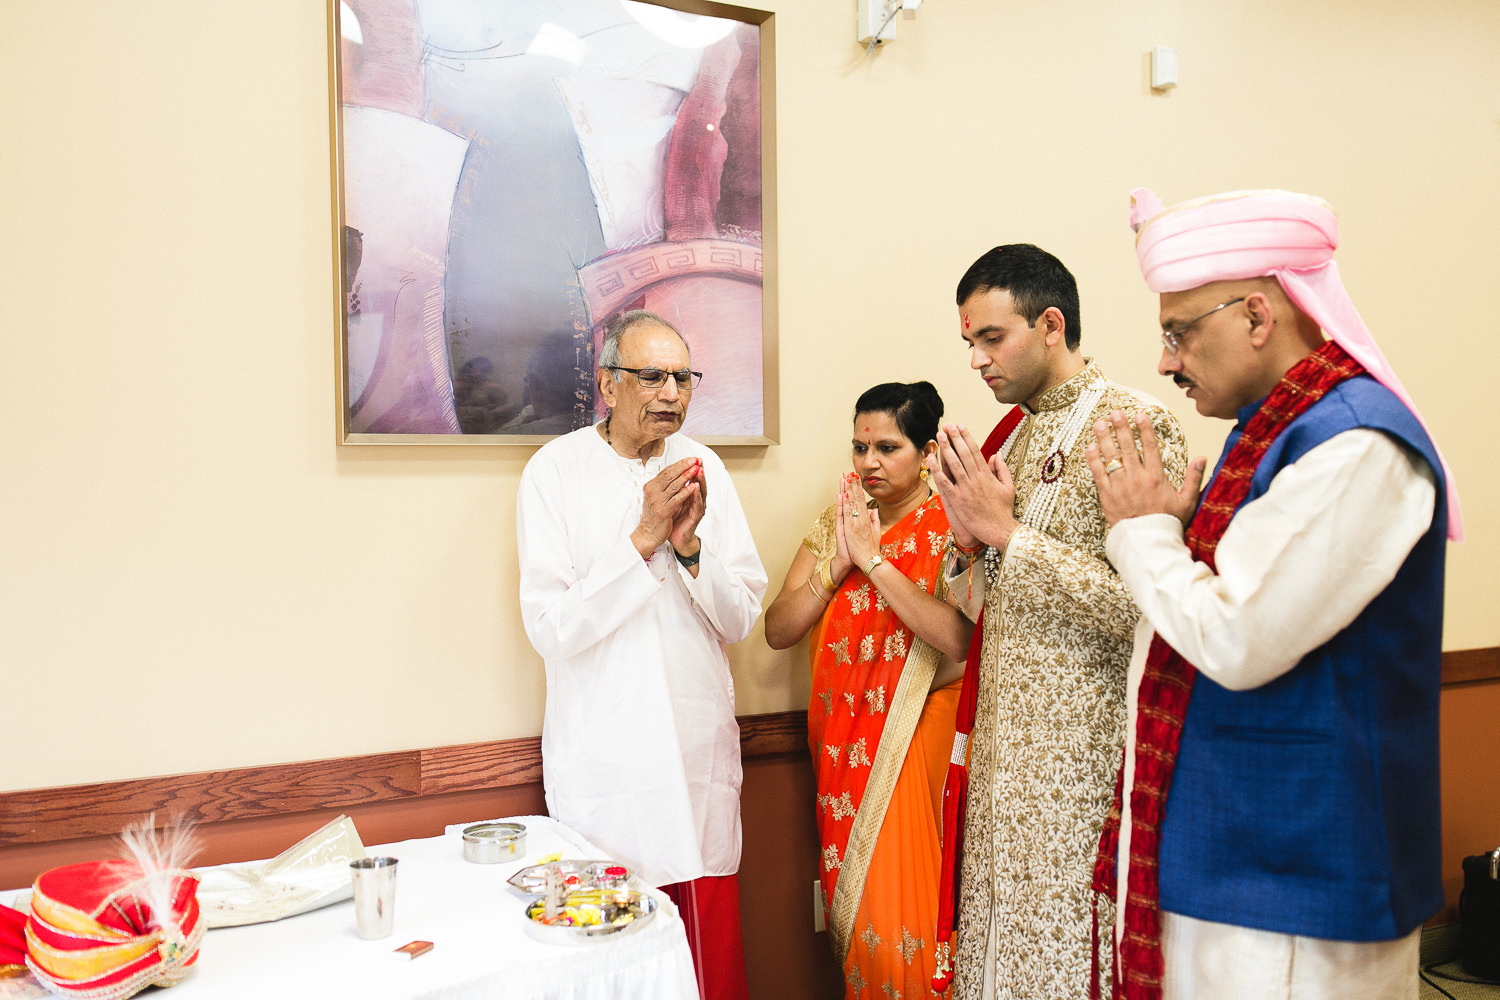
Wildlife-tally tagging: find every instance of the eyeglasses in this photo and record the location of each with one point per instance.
(1173, 338)
(655, 378)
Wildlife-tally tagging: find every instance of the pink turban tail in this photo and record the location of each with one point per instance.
(1254, 234)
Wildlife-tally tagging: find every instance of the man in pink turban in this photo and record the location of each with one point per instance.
(1277, 833)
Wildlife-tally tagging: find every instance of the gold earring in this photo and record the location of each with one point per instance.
(923, 474)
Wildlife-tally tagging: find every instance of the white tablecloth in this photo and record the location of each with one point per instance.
(476, 923)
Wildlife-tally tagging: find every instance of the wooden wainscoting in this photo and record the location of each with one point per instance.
(1465, 666)
(68, 812)
(71, 812)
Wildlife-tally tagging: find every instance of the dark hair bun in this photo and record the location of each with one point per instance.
(916, 407)
(926, 394)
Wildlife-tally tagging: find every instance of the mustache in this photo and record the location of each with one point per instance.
(1183, 382)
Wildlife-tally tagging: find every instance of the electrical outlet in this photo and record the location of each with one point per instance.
(876, 17)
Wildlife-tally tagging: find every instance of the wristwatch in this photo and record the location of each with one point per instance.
(688, 562)
(875, 560)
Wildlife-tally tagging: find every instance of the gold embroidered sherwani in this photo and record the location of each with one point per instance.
(1050, 720)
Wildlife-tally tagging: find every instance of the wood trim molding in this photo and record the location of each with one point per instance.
(1465, 666)
(41, 815)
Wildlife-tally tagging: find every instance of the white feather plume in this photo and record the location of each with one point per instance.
(162, 856)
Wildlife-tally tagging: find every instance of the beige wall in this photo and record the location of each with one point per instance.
(194, 575)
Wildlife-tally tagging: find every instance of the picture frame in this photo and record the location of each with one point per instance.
(510, 176)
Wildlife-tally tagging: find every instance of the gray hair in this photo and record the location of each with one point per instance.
(609, 354)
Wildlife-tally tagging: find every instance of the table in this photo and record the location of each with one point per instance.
(475, 921)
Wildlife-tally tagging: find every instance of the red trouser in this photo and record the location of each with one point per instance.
(710, 908)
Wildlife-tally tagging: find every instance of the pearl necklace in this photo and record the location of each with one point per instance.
(1044, 498)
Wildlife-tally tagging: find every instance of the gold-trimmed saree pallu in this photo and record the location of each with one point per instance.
(880, 747)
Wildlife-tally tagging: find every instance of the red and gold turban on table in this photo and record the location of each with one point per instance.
(109, 929)
(1255, 234)
(12, 941)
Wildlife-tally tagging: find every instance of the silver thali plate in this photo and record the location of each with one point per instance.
(576, 875)
(641, 909)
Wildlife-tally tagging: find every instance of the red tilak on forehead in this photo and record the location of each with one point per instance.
(966, 322)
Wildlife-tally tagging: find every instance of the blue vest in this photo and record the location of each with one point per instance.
(1310, 805)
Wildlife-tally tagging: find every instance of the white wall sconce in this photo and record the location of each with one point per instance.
(875, 20)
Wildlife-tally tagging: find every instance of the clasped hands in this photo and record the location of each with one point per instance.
(979, 496)
(1133, 483)
(672, 505)
(856, 529)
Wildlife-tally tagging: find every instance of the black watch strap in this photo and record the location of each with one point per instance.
(688, 562)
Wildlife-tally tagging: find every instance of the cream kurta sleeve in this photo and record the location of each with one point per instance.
(1295, 566)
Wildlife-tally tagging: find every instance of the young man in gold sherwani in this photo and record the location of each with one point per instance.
(1048, 715)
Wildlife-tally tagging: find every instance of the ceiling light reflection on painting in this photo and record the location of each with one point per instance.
(349, 25)
(688, 31)
(559, 43)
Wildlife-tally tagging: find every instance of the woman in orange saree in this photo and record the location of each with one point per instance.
(886, 656)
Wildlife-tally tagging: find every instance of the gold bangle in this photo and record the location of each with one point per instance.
(815, 593)
(825, 576)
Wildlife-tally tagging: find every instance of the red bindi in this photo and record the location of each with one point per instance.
(966, 322)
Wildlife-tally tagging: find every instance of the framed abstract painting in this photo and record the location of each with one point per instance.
(509, 175)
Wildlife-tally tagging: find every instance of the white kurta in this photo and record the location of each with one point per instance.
(1295, 566)
(640, 749)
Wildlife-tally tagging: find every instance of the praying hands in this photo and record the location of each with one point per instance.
(1133, 483)
(979, 495)
(857, 527)
(672, 506)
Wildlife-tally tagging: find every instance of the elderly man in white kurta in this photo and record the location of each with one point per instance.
(637, 568)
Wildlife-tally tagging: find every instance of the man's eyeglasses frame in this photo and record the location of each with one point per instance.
(1172, 339)
(655, 378)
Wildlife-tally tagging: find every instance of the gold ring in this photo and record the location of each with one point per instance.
(1112, 466)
